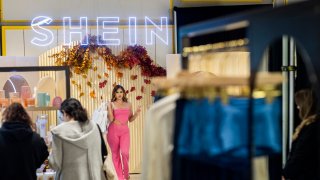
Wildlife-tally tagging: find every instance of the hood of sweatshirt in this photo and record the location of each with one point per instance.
(16, 131)
(75, 133)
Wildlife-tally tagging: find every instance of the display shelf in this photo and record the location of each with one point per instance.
(51, 81)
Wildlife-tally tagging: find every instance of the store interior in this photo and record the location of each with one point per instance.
(215, 80)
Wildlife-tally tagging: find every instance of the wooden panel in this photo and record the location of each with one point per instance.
(136, 128)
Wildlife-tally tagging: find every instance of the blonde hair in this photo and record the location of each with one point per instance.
(307, 103)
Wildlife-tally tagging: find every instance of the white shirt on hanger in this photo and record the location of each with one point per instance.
(100, 116)
(158, 139)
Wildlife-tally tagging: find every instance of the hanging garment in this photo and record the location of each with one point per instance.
(158, 139)
(199, 131)
(100, 116)
(216, 135)
(266, 126)
(194, 167)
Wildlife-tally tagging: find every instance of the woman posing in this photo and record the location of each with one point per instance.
(118, 137)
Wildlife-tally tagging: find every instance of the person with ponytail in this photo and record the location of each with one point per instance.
(303, 160)
(76, 145)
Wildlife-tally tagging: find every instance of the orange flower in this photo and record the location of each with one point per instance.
(119, 74)
(89, 84)
(93, 94)
(133, 77)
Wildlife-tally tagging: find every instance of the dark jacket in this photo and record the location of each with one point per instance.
(303, 161)
(22, 151)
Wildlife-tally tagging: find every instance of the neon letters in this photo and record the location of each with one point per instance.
(106, 28)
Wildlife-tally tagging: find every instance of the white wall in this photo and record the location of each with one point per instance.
(18, 42)
(56, 9)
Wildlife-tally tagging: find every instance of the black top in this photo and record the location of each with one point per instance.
(22, 151)
(303, 161)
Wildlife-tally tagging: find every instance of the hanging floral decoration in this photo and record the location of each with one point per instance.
(80, 58)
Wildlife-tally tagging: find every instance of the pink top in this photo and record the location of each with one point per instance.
(122, 115)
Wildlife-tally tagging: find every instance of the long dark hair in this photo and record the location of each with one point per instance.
(16, 112)
(124, 98)
(73, 108)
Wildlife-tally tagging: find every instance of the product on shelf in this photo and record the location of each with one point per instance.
(30, 102)
(4, 102)
(14, 95)
(15, 100)
(2, 93)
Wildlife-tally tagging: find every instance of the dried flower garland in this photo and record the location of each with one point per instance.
(80, 58)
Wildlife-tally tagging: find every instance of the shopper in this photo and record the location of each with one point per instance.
(76, 147)
(22, 151)
(303, 161)
(118, 137)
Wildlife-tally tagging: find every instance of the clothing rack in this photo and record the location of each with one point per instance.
(260, 29)
(203, 79)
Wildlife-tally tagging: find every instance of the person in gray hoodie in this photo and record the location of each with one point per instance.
(76, 145)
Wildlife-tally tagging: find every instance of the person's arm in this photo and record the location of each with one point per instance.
(41, 150)
(135, 115)
(55, 158)
(110, 112)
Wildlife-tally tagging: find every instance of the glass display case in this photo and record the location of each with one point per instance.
(40, 89)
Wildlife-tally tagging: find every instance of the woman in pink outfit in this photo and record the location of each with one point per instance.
(118, 137)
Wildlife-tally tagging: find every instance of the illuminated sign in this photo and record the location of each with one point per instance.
(106, 28)
(46, 36)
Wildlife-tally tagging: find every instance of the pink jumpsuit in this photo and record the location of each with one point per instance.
(118, 138)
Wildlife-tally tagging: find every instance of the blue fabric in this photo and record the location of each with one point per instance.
(266, 124)
(199, 130)
(211, 138)
(213, 129)
(191, 164)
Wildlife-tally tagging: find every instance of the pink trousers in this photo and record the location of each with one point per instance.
(118, 138)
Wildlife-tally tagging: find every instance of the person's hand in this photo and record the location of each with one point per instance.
(138, 109)
(282, 178)
(109, 106)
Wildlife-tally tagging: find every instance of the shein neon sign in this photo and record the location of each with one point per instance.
(45, 36)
